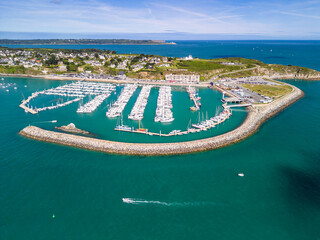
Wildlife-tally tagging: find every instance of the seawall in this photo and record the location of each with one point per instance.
(253, 121)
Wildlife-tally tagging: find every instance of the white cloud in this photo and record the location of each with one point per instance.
(299, 15)
(149, 17)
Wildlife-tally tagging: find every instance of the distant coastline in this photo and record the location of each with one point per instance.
(83, 42)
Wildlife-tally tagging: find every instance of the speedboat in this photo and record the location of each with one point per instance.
(127, 200)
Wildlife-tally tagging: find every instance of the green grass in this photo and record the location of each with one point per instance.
(199, 65)
(270, 91)
(18, 70)
(203, 65)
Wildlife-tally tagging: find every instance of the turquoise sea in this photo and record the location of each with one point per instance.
(195, 196)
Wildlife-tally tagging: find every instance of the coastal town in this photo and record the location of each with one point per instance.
(97, 75)
(75, 63)
(108, 64)
(242, 80)
(160, 120)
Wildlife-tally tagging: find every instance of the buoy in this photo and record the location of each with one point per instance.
(240, 174)
(53, 216)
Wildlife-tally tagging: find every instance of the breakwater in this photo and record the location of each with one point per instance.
(256, 116)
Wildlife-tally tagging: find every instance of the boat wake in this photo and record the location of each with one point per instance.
(169, 204)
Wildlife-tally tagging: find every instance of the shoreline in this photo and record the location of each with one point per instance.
(58, 78)
(255, 118)
(94, 44)
(143, 81)
(51, 77)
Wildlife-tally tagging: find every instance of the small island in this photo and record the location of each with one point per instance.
(71, 128)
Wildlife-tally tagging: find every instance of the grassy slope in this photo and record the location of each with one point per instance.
(270, 91)
(206, 68)
(17, 70)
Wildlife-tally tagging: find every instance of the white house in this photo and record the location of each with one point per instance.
(183, 78)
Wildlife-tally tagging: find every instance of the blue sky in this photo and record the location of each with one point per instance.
(204, 19)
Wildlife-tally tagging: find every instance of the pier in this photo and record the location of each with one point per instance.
(77, 90)
(202, 127)
(27, 109)
(240, 105)
(164, 105)
(194, 97)
(231, 100)
(93, 104)
(141, 103)
(118, 107)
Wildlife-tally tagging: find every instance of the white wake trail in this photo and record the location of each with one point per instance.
(177, 204)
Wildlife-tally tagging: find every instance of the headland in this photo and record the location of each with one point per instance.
(247, 82)
(83, 42)
(107, 65)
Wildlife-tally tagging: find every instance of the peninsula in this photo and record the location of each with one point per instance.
(83, 42)
(248, 83)
(77, 64)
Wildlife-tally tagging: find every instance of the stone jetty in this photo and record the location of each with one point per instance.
(256, 116)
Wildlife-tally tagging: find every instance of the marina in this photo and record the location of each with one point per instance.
(141, 103)
(265, 186)
(76, 90)
(194, 97)
(164, 105)
(59, 105)
(90, 96)
(119, 105)
(93, 104)
(249, 126)
(202, 126)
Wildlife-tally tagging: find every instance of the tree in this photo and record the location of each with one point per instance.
(135, 60)
(71, 67)
(52, 60)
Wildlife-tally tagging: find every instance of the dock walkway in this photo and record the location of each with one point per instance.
(30, 110)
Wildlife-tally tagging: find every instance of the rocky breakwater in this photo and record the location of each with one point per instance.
(256, 116)
(71, 128)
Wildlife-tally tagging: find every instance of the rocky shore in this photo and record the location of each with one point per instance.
(71, 128)
(256, 116)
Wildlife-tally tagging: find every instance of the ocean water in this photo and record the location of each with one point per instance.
(195, 196)
(300, 53)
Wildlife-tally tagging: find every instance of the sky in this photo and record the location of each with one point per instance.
(167, 19)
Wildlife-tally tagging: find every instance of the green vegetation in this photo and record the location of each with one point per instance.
(199, 65)
(53, 61)
(17, 70)
(245, 73)
(249, 62)
(268, 90)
